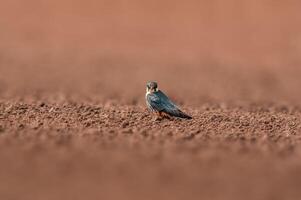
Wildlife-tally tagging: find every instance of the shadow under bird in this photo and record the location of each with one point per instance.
(159, 103)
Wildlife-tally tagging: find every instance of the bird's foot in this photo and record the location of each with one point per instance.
(158, 119)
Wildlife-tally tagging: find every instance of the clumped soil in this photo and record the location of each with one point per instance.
(92, 151)
(80, 130)
(73, 121)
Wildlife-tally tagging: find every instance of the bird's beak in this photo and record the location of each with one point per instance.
(153, 89)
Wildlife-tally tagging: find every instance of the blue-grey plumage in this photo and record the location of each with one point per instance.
(158, 102)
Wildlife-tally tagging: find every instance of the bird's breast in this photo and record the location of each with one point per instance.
(146, 94)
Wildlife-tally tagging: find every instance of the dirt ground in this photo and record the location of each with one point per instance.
(74, 124)
(73, 143)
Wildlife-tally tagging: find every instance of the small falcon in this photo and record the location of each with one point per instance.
(160, 104)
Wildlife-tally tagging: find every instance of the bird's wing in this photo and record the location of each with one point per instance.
(160, 102)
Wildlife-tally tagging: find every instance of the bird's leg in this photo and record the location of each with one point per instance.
(165, 115)
(159, 117)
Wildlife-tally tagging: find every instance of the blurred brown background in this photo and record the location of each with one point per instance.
(109, 49)
(73, 122)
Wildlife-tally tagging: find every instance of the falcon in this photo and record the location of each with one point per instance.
(159, 103)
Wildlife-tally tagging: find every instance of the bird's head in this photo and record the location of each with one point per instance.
(151, 87)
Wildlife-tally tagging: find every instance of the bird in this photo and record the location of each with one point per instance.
(158, 103)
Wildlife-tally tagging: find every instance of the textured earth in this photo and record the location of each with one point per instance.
(72, 149)
(73, 121)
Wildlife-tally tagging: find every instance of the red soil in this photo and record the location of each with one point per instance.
(74, 125)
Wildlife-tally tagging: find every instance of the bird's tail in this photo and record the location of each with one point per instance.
(183, 115)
